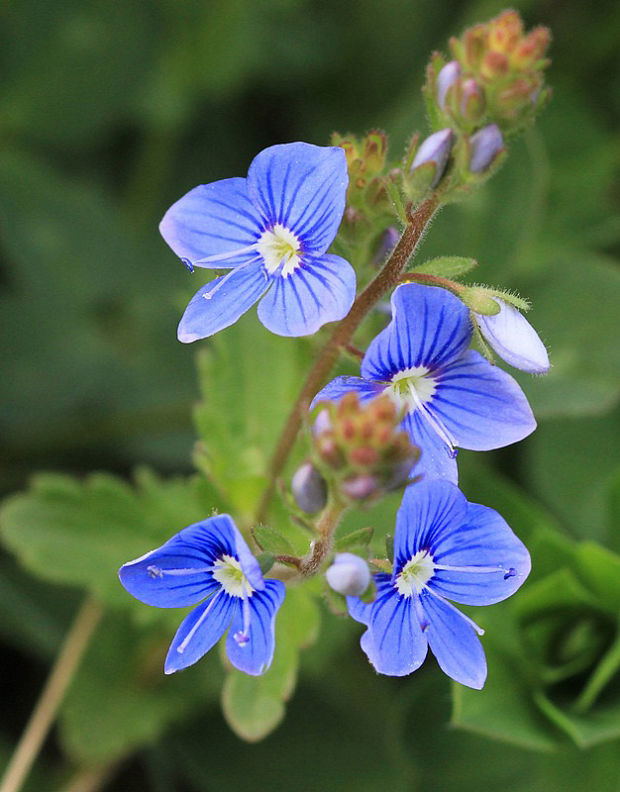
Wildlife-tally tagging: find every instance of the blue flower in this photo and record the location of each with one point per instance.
(444, 549)
(210, 563)
(272, 230)
(453, 396)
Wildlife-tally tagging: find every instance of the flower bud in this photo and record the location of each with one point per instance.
(349, 575)
(446, 78)
(361, 448)
(486, 144)
(472, 102)
(435, 150)
(514, 339)
(309, 489)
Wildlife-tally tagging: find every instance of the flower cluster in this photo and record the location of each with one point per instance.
(422, 392)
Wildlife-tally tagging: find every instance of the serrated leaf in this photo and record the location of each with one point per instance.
(80, 533)
(248, 380)
(447, 266)
(254, 706)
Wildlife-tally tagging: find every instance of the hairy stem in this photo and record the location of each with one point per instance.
(52, 695)
(342, 335)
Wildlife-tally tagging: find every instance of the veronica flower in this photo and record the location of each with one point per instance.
(210, 563)
(453, 396)
(514, 339)
(444, 549)
(272, 230)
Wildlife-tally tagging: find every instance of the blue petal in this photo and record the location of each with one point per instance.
(202, 629)
(454, 643)
(203, 317)
(320, 290)
(213, 220)
(394, 641)
(303, 187)
(430, 327)
(338, 387)
(429, 511)
(249, 565)
(438, 460)
(360, 611)
(178, 573)
(481, 405)
(254, 656)
(483, 540)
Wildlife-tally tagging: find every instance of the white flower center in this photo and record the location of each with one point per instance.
(415, 574)
(278, 246)
(412, 387)
(227, 571)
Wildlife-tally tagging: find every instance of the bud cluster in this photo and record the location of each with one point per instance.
(361, 448)
(492, 88)
(497, 75)
(365, 162)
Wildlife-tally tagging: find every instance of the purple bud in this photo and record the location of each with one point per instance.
(309, 489)
(348, 575)
(486, 144)
(446, 78)
(514, 339)
(436, 148)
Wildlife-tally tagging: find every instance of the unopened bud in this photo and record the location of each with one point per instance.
(472, 103)
(446, 78)
(436, 150)
(514, 339)
(486, 144)
(360, 488)
(309, 489)
(349, 575)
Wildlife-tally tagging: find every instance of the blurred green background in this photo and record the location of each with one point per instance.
(111, 111)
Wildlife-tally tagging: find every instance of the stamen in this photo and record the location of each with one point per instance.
(157, 572)
(208, 295)
(224, 256)
(183, 645)
(243, 637)
(435, 423)
(419, 612)
(478, 569)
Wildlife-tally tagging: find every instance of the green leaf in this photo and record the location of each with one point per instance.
(271, 540)
(503, 709)
(598, 726)
(447, 266)
(569, 466)
(355, 540)
(249, 378)
(254, 706)
(80, 533)
(575, 301)
(120, 698)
